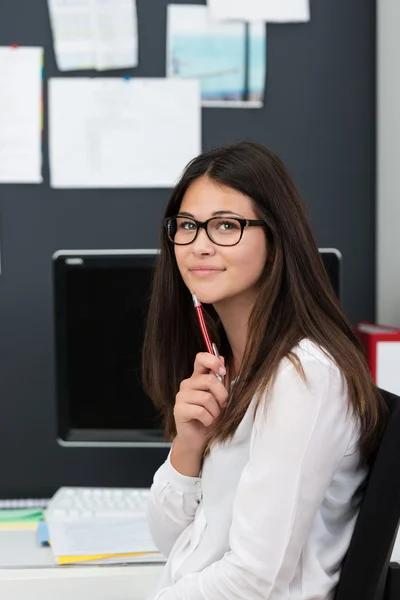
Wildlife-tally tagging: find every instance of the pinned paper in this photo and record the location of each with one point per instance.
(120, 133)
(229, 59)
(279, 11)
(94, 34)
(21, 114)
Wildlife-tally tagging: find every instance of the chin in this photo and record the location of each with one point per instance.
(210, 296)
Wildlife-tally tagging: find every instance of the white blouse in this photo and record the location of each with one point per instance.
(271, 516)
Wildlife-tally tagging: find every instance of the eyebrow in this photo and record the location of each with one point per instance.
(216, 213)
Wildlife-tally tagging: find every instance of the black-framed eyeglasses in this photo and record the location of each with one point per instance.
(223, 231)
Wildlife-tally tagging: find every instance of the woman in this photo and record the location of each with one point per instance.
(258, 497)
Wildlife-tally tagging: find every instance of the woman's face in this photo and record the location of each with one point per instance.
(237, 268)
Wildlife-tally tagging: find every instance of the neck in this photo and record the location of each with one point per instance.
(234, 314)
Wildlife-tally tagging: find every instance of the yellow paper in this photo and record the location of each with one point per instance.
(17, 525)
(66, 560)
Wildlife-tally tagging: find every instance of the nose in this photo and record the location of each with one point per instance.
(202, 244)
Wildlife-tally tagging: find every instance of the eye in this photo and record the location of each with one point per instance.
(227, 225)
(187, 225)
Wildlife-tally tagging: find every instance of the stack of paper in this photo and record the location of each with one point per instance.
(102, 541)
(20, 518)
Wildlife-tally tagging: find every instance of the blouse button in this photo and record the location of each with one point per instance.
(198, 483)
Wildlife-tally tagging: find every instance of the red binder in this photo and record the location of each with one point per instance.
(382, 347)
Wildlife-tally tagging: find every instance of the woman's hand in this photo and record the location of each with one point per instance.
(199, 403)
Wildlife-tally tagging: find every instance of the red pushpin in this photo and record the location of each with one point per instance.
(14, 46)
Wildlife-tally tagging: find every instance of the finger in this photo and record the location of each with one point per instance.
(205, 361)
(200, 398)
(207, 383)
(195, 412)
(210, 383)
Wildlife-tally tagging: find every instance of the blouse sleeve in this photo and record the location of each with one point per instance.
(172, 505)
(297, 445)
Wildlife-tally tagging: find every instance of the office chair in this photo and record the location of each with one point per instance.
(365, 567)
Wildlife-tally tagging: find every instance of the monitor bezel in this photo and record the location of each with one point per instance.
(335, 252)
(66, 436)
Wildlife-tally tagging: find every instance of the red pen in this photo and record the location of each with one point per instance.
(211, 347)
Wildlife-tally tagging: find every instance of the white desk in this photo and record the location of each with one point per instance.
(28, 571)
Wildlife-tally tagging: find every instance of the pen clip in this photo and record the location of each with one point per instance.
(215, 349)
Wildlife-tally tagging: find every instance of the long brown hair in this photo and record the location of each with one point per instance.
(295, 301)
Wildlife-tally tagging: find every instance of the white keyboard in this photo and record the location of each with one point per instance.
(70, 503)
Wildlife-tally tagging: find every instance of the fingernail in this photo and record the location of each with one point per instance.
(222, 371)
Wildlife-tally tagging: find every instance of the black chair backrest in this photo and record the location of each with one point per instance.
(368, 556)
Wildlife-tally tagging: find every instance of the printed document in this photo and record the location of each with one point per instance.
(122, 133)
(260, 10)
(21, 114)
(94, 34)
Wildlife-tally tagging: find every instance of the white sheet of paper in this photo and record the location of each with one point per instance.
(229, 59)
(121, 133)
(94, 34)
(387, 366)
(88, 538)
(21, 115)
(261, 10)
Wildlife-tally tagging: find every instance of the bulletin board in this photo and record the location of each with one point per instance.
(318, 115)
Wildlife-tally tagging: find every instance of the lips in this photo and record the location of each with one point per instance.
(204, 268)
(208, 270)
(205, 272)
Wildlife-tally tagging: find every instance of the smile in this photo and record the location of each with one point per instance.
(205, 272)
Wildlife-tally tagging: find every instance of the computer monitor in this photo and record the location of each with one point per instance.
(100, 304)
(332, 259)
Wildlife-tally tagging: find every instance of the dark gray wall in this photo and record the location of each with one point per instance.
(319, 116)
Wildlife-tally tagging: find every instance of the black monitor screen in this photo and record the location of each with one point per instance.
(101, 307)
(332, 261)
(106, 313)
